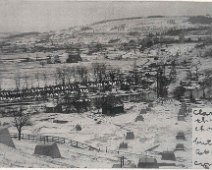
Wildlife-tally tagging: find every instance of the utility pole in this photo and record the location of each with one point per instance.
(161, 80)
(122, 161)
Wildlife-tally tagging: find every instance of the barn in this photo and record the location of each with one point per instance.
(112, 105)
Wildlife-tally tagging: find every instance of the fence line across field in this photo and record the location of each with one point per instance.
(50, 139)
(70, 142)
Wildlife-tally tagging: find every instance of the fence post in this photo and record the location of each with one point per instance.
(41, 139)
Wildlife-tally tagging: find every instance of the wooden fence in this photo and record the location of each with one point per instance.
(54, 139)
(73, 143)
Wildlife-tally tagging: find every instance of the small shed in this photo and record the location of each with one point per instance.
(130, 135)
(112, 105)
(148, 162)
(73, 58)
(168, 155)
(51, 150)
(53, 108)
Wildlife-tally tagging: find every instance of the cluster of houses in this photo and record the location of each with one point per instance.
(69, 57)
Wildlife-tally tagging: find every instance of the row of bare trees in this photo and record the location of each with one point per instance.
(99, 73)
(103, 72)
(61, 76)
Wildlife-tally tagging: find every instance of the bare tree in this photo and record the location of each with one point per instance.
(45, 78)
(17, 80)
(100, 73)
(205, 82)
(83, 74)
(26, 77)
(1, 81)
(98, 104)
(114, 75)
(20, 120)
(135, 72)
(37, 78)
(72, 73)
(61, 76)
(196, 72)
(56, 77)
(173, 73)
(69, 74)
(189, 75)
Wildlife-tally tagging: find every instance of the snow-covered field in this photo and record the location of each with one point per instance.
(160, 126)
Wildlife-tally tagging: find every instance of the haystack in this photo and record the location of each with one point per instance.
(130, 135)
(143, 111)
(150, 104)
(148, 109)
(180, 136)
(181, 118)
(5, 137)
(123, 145)
(179, 147)
(168, 155)
(139, 118)
(147, 162)
(51, 150)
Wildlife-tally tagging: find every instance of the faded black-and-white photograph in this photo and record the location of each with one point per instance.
(103, 84)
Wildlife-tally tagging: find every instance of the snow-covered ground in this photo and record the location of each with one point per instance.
(160, 126)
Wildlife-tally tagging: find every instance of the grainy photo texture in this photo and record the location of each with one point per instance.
(105, 84)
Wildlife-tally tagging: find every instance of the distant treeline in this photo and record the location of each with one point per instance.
(118, 19)
(177, 31)
(23, 34)
(200, 20)
(156, 16)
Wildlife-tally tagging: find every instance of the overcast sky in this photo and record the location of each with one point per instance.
(25, 16)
